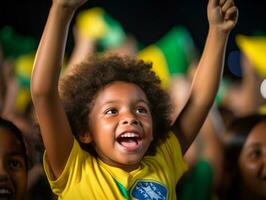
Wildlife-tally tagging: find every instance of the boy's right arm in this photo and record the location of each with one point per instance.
(54, 125)
(222, 17)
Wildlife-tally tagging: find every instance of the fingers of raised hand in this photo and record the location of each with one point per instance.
(231, 13)
(221, 2)
(226, 5)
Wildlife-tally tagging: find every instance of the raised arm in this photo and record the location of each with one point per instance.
(55, 129)
(222, 17)
(84, 47)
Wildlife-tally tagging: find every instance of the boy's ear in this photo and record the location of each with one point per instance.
(85, 138)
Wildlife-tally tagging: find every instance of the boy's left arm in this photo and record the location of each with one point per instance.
(222, 17)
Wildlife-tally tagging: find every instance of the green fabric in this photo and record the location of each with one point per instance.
(14, 44)
(115, 35)
(178, 48)
(123, 190)
(197, 183)
(224, 85)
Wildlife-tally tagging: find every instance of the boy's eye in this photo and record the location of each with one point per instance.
(15, 164)
(141, 110)
(111, 111)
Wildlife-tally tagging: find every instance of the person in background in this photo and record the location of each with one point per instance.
(16, 105)
(244, 175)
(14, 164)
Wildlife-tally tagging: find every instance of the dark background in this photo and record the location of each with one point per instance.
(147, 20)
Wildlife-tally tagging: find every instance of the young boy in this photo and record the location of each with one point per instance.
(119, 115)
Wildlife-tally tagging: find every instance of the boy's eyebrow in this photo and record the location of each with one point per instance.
(139, 101)
(144, 101)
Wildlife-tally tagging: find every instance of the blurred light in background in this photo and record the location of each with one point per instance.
(233, 63)
(263, 88)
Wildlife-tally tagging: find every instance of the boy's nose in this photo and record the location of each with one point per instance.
(130, 119)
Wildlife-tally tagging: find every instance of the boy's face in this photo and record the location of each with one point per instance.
(121, 125)
(13, 173)
(253, 161)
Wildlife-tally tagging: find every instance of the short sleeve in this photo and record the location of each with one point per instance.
(71, 172)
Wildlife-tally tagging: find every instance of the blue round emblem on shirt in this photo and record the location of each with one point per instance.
(148, 190)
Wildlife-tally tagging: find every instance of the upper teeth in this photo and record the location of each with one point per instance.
(129, 135)
(4, 191)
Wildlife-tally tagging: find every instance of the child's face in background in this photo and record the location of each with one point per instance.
(13, 173)
(121, 125)
(252, 161)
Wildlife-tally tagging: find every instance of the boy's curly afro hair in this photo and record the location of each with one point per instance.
(79, 89)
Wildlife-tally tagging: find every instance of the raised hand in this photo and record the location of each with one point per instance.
(71, 4)
(222, 14)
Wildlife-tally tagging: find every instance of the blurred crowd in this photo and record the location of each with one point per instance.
(227, 159)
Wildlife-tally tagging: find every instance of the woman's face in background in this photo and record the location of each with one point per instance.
(252, 161)
(13, 172)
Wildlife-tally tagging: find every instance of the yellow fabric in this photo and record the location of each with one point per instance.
(22, 100)
(91, 23)
(86, 177)
(23, 68)
(254, 47)
(23, 65)
(153, 54)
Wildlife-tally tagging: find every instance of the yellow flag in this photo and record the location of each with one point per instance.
(254, 47)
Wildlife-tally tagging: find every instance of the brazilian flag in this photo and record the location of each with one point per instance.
(254, 47)
(96, 24)
(171, 55)
(23, 67)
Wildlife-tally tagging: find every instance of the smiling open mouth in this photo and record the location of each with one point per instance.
(131, 141)
(5, 194)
